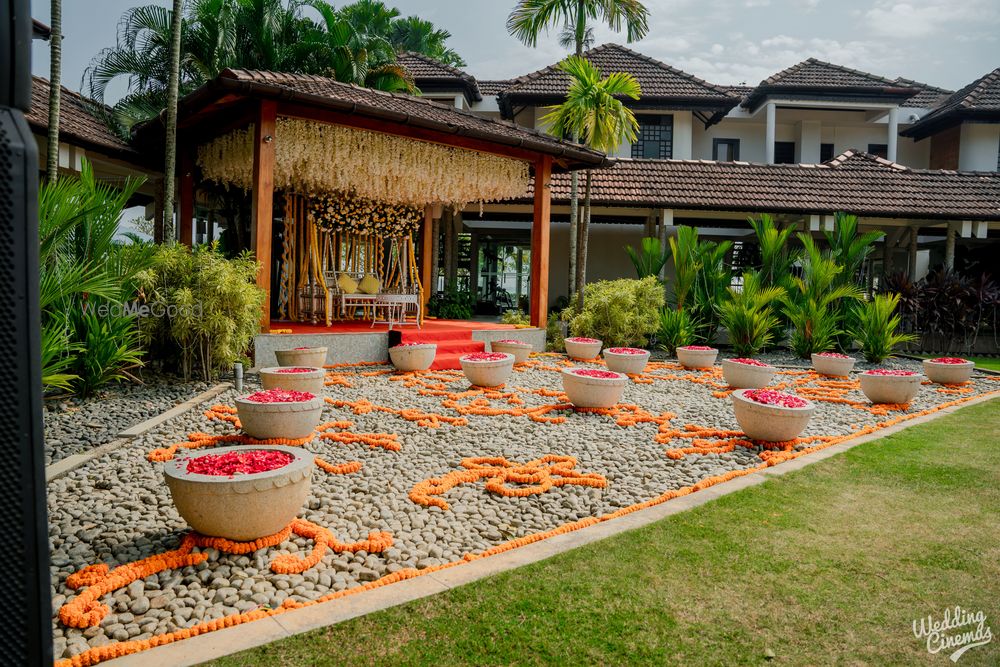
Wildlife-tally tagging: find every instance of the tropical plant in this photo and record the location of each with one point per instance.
(777, 256)
(619, 312)
(593, 112)
(415, 34)
(876, 327)
(452, 304)
(650, 258)
(55, 92)
(675, 330)
(687, 264)
(515, 317)
(530, 18)
(849, 248)
(710, 288)
(749, 315)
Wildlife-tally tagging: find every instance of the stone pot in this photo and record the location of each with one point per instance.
(593, 392)
(771, 423)
(292, 420)
(747, 376)
(948, 373)
(243, 507)
(311, 381)
(413, 357)
(624, 362)
(306, 356)
(697, 358)
(488, 372)
(838, 366)
(582, 350)
(890, 388)
(518, 348)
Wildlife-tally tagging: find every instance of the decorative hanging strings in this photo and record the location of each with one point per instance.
(321, 158)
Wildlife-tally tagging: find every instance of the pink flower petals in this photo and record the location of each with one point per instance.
(777, 398)
(748, 362)
(625, 350)
(239, 463)
(280, 396)
(885, 372)
(485, 356)
(594, 373)
(949, 360)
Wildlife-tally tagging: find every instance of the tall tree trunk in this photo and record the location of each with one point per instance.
(581, 261)
(170, 149)
(55, 93)
(574, 177)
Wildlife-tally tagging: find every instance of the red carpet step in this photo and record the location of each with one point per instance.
(450, 345)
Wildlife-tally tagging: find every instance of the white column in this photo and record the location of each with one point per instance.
(893, 134)
(683, 135)
(769, 133)
(949, 246)
(809, 141)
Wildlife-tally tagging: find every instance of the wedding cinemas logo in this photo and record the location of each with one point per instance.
(956, 631)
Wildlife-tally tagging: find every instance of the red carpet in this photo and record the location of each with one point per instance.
(450, 345)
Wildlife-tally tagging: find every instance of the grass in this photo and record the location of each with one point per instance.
(989, 363)
(827, 565)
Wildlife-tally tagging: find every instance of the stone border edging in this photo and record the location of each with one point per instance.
(219, 643)
(70, 463)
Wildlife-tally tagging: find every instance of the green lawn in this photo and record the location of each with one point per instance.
(989, 363)
(827, 565)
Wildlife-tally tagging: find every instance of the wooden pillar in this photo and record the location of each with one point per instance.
(426, 253)
(262, 200)
(540, 229)
(186, 213)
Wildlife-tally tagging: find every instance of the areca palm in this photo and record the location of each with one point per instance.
(530, 18)
(593, 111)
(415, 34)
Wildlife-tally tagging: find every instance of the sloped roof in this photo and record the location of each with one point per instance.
(980, 100)
(77, 123)
(430, 75)
(928, 97)
(491, 87)
(854, 182)
(661, 84)
(814, 76)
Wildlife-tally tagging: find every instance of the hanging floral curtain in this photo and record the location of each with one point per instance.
(355, 215)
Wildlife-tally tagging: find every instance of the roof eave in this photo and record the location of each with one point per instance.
(759, 94)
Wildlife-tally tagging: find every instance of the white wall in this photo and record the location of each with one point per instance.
(980, 143)
(606, 256)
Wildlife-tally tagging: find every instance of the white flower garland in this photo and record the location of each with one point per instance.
(313, 157)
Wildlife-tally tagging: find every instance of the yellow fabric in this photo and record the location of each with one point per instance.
(369, 285)
(347, 284)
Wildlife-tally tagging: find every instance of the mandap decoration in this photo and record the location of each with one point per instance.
(344, 213)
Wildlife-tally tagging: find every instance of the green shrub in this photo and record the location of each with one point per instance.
(212, 307)
(619, 312)
(110, 349)
(649, 259)
(876, 327)
(749, 317)
(515, 317)
(451, 304)
(676, 330)
(554, 334)
(701, 279)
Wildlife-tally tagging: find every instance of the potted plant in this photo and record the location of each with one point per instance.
(279, 413)
(302, 356)
(413, 356)
(949, 370)
(697, 356)
(581, 348)
(518, 348)
(294, 378)
(882, 385)
(487, 369)
(240, 493)
(628, 360)
(833, 363)
(593, 388)
(772, 416)
(744, 373)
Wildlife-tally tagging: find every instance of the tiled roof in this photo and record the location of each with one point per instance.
(77, 123)
(928, 97)
(854, 182)
(493, 87)
(817, 76)
(430, 73)
(659, 81)
(980, 100)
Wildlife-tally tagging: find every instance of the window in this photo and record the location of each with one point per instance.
(656, 137)
(725, 150)
(882, 150)
(825, 152)
(784, 152)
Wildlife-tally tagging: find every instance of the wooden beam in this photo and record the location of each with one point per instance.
(262, 200)
(186, 212)
(540, 242)
(426, 254)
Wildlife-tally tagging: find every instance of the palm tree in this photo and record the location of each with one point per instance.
(55, 93)
(593, 111)
(170, 149)
(532, 17)
(415, 34)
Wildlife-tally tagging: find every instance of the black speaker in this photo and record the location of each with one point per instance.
(26, 633)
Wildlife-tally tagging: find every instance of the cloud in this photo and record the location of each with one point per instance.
(916, 19)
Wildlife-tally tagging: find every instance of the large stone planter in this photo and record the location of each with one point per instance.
(282, 377)
(890, 388)
(697, 358)
(593, 389)
(302, 356)
(293, 420)
(518, 348)
(771, 423)
(409, 357)
(826, 363)
(582, 349)
(242, 507)
(953, 371)
(628, 360)
(737, 373)
(487, 369)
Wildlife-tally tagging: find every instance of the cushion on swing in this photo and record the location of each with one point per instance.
(369, 284)
(347, 284)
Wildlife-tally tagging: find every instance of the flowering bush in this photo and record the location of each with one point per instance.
(619, 312)
(280, 396)
(239, 463)
(778, 398)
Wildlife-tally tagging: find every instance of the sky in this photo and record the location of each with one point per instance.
(947, 43)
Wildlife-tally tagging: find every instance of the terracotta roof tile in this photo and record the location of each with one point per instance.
(813, 76)
(490, 87)
(77, 122)
(928, 97)
(978, 100)
(428, 72)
